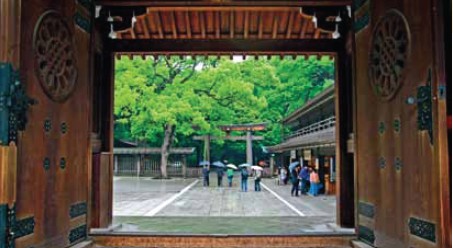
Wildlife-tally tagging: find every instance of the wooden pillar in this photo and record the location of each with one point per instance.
(343, 128)
(249, 148)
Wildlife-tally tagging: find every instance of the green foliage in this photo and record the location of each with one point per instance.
(196, 95)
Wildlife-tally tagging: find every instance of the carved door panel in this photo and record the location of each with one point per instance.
(396, 93)
(53, 151)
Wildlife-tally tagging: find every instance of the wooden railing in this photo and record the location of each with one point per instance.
(313, 128)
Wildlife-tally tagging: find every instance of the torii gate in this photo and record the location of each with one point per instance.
(235, 127)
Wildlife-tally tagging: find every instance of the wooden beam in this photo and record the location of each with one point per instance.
(246, 24)
(217, 24)
(231, 24)
(159, 25)
(260, 25)
(202, 24)
(173, 25)
(303, 30)
(188, 28)
(132, 31)
(222, 4)
(317, 33)
(144, 23)
(224, 46)
(274, 27)
(290, 24)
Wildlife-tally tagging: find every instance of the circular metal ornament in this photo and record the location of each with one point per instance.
(390, 48)
(55, 63)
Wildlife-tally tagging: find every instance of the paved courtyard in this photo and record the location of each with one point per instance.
(184, 206)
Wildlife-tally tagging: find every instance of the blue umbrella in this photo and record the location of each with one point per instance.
(293, 165)
(218, 164)
(244, 165)
(203, 163)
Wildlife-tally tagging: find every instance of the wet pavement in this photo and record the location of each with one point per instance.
(184, 206)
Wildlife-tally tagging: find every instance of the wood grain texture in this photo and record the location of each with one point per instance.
(8, 170)
(219, 241)
(48, 194)
(412, 191)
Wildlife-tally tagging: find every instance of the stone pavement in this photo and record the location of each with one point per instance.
(184, 206)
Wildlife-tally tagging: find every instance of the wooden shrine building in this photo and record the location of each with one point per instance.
(311, 139)
(392, 95)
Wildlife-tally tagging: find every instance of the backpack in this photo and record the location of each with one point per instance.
(244, 173)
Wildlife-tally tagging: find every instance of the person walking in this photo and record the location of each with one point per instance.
(304, 176)
(244, 179)
(314, 183)
(219, 176)
(205, 173)
(295, 181)
(257, 180)
(230, 174)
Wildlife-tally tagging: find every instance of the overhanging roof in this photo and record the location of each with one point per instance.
(322, 138)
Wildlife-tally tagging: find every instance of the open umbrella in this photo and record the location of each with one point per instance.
(255, 167)
(244, 165)
(293, 165)
(218, 164)
(203, 163)
(232, 166)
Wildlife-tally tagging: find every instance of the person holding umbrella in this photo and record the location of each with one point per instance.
(257, 176)
(219, 171)
(244, 176)
(230, 174)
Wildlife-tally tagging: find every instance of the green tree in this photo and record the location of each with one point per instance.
(180, 96)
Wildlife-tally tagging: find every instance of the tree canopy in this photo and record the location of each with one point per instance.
(164, 101)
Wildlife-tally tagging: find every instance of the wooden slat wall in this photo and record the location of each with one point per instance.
(414, 190)
(224, 23)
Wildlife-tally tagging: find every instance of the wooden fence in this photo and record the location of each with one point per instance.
(149, 166)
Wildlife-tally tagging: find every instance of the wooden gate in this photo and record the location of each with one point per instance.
(52, 40)
(401, 130)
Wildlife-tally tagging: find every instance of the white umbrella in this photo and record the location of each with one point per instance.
(244, 165)
(232, 166)
(255, 167)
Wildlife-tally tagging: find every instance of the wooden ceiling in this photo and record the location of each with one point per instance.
(225, 23)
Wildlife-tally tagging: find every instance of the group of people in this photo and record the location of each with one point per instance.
(305, 179)
(244, 172)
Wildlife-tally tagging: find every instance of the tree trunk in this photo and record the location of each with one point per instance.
(165, 149)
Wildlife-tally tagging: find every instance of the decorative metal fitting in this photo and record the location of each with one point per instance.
(46, 163)
(47, 125)
(381, 127)
(397, 125)
(63, 163)
(398, 163)
(382, 162)
(64, 127)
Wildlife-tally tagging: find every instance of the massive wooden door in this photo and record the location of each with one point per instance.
(400, 131)
(53, 151)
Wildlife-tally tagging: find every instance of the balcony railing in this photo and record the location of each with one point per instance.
(313, 128)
